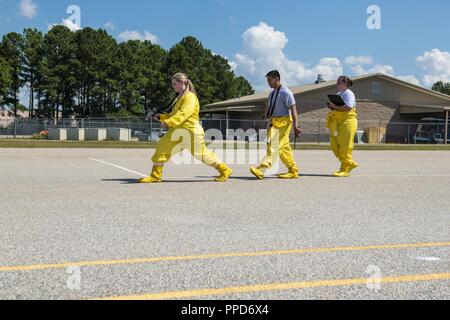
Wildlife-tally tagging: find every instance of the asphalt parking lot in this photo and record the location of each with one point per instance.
(75, 225)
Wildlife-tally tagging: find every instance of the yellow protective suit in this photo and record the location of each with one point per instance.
(343, 126)
(279, 144)
(185, 132)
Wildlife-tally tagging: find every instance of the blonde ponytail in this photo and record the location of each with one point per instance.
(191, 87)
(181, 77)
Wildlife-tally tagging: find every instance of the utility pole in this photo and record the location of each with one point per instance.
(447, 109)
(15, 127)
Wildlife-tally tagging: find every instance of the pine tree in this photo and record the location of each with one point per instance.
(154, 84)
(11, 49)
(211, 74)
(5, 79)
(88, 74)
(33, 54)
(59, 71)
(442, 87)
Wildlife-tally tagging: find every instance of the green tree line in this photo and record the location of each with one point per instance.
(442, 87)
(87, 73)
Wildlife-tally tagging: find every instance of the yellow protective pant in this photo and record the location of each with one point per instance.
(178, 139)
(279, 144)
(343, 126)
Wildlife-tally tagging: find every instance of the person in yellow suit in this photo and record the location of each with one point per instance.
(282, 116)
(342, 122)
(184, 132)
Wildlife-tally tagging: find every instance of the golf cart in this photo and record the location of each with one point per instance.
(431, 131)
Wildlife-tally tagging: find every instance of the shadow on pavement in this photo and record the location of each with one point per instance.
(202, 179)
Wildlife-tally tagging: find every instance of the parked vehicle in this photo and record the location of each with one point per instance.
(430, 131)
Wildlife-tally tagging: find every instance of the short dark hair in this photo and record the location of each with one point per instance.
(274, 74)
(346, 80)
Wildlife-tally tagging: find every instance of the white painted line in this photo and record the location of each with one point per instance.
(118, 167)
(144, 175)
(355, 176)
(428, 259)
(327, 174)
(402, 176)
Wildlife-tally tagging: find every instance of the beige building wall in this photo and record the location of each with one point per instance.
(378, 105)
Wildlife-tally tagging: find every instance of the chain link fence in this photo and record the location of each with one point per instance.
(314, 130)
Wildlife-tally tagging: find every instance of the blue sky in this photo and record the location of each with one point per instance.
(302, 38)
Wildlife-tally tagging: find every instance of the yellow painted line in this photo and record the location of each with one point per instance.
(280, 287)
(216, 256)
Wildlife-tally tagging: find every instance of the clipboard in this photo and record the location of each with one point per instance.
(336, 99)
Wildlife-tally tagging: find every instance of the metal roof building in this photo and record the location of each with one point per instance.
(380, 99)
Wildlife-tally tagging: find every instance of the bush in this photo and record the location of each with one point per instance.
(43, 135)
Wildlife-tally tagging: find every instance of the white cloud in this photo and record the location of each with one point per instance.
(410, 79)
(28, 9)
(109, 26)
(436, 64)
(246, 63)
(67, 23)
(361, 65)
(71, 25)
(385, 69)
(136, 35)
(264, 51)
(329, 68)
(359, 60)
(357, 63)
(233, 65)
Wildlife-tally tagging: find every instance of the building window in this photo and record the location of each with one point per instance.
(376, 87)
